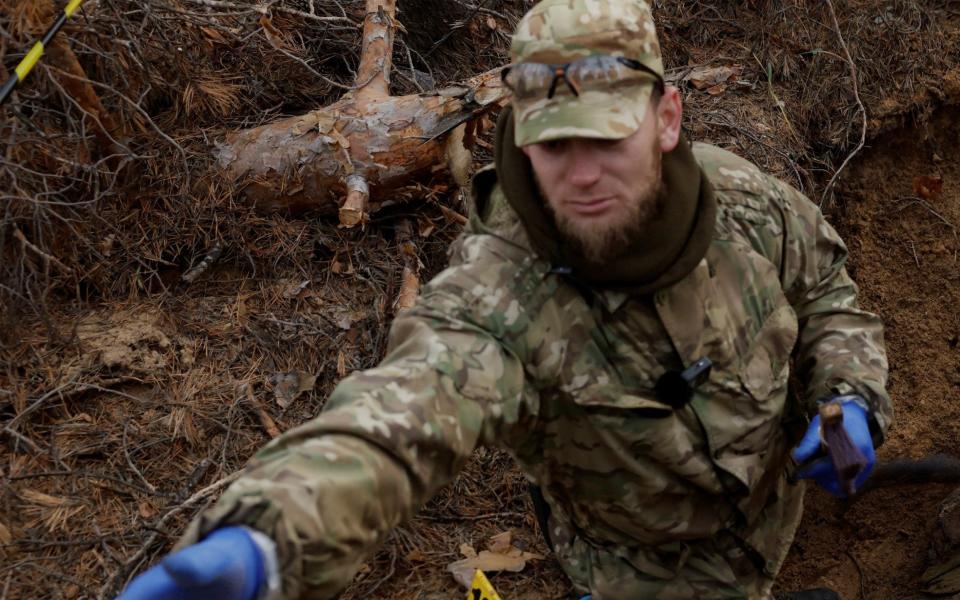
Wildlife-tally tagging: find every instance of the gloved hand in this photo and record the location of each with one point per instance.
(821, 470)
(226, 565)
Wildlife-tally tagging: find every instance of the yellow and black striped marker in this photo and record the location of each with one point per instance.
(37, 51)
(481, 589)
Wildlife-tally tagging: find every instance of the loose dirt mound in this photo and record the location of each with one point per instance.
(902, 230)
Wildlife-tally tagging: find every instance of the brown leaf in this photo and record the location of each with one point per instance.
(928, 188)
(295, 289)
(717, 89)
(287, 387)
(704, 78)
(341, 364)
(274, 35)
(213, 34)
(492, 23)
(502, 555)
(146, 510)
(425, 226)
(416, 556)
(487, 561)
(5, 537)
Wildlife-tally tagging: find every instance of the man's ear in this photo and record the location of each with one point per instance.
(669, 118)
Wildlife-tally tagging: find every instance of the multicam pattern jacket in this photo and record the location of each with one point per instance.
(501, 350)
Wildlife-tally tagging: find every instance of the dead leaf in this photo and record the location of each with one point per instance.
(213, 34)
(707, 78)
(341, 364)
(487, 561)
(928, 188)
(340, 268)
(501, 555)
(5, 537)
(425, 226)
(274, 35)
(717, 89)
(287, 387)
(345, 321)
(416, 556)
(295, 289)
(146, 510)
(492, 23)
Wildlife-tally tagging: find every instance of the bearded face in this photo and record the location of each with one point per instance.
(602, 193)
(604, 229)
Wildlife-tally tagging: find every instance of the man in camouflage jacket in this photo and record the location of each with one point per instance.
(564, 303)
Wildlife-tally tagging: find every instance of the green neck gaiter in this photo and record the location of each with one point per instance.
(669, 249)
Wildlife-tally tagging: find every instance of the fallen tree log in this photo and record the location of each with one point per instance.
(363, 151)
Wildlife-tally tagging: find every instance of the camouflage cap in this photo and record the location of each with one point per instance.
(561, 31)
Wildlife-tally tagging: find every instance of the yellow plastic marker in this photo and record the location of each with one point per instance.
(72, 7)
(28, 62)
(481, 589)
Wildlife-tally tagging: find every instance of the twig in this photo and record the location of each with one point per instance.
(264, 9)
(24, 439)
(265, 419)
(926, 205)
(201, 267)
(856, 563)
(61, 394)
(393, 563)
(316, 73)
(133, 467)
(446, 518)
(214, 487)
(47, 257)
(856, 94)
(409, 278)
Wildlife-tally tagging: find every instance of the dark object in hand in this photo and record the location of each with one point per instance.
(847, 459)
(676, 387)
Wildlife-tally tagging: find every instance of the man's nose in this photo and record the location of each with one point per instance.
(583, 166)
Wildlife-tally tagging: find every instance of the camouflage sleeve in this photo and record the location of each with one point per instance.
(329, 492)
(840, 349)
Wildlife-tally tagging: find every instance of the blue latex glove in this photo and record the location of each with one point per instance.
(821, 470)
(226, 565)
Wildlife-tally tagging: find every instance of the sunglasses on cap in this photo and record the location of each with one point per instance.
(533, 81)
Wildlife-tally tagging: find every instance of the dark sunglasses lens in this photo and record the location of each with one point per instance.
(529, 81)
(602, 73)
(597, 71)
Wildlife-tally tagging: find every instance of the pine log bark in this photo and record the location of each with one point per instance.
(367, 149)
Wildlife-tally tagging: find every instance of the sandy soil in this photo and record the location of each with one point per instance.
(904, 256)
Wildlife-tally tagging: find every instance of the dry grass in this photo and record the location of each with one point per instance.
(106, 433)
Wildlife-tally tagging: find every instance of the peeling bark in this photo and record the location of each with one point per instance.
(380, 143)
(303, 163)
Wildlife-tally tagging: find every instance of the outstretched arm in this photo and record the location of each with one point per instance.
(329, 491)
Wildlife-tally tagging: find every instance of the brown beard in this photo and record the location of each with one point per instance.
(601, 245)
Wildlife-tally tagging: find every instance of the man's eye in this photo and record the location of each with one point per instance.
(554, 145)
(608, 144)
